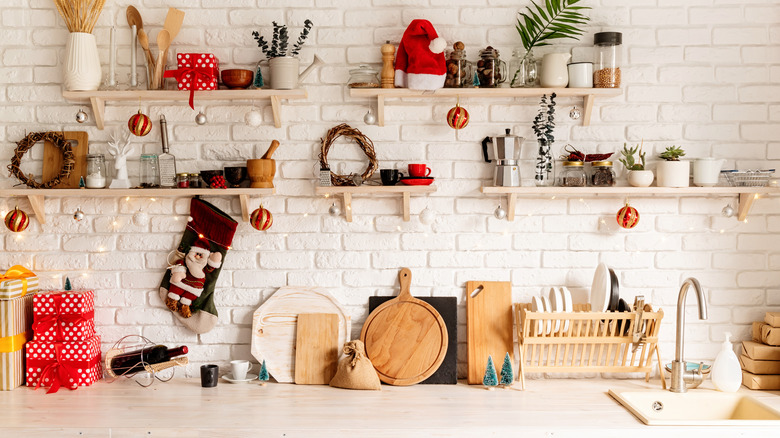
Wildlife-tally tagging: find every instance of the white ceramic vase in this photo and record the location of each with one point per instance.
(284, 73)
(640, 178)
(82, 70)
(674, 173)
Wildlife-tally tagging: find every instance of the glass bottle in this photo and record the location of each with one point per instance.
(150, 174)
(96, 171)
(134, 361)
(609, 59)
(459, 69)
(545, 165)
(490, 68)
(603, 175)
(166, 161)
(522, 68)
(573, 174)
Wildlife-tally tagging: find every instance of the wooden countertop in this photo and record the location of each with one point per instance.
(181, 407)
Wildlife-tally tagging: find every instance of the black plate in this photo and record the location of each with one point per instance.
(623, 307)
(614, 297)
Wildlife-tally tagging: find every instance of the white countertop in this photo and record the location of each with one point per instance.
(559, 407)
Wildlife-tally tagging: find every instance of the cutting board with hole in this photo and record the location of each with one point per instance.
(52, 159)
(274, 326)
(316, 348)
(406, 338)
(489, 325)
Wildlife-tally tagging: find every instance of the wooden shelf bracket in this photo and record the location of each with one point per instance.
(347, 192)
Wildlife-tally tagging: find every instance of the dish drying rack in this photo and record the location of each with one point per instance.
(583, 341)
(748, 178)
(121, 347)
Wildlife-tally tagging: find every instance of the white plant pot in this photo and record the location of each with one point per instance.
(640, 178)
(81, 71)
(284, 73)
(674, 173)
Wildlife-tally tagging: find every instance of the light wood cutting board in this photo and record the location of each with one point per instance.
(274, 326)
(316, 348)
(52, 159)
(489, 325)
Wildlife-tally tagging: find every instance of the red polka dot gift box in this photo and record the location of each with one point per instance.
(63, 364)
(196, 71)
(64, 316)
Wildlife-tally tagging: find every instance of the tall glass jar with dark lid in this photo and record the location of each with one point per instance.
(609, 59)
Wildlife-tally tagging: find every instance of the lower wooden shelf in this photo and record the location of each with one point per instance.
(347, 191)
(37, 197)
(746, 194)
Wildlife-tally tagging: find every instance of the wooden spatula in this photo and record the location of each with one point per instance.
(163, 42)
(143, 39)
(173, 22)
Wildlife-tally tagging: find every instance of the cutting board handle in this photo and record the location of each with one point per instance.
(405, 278)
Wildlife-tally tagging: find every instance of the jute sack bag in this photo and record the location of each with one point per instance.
(355, 369)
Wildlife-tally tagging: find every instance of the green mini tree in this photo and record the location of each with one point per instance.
(263, 376)
(67, 284)
(507, 376)
(490, 380)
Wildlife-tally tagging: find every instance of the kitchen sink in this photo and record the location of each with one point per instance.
(699, 407)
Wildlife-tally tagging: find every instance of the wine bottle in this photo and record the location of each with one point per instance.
(166, 162)
(134, 361)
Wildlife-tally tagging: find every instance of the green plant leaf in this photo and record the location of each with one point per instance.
(558, 19)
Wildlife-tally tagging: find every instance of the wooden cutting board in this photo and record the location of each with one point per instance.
(316, 348)
(274, 325)
(405, 338)
(489, 325)
(52, 159)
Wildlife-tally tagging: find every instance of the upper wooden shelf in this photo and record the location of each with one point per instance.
(99, 98)
(37, 197)
(587, 94)
(347, 191)
(746, 194)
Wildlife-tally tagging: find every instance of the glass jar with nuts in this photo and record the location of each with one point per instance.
(491, 70)
(459, 70)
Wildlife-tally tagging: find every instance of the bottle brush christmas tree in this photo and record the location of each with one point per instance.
(490, 380)
(507, 376)
(263, 376)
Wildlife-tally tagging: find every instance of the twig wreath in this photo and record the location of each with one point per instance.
(24, 145)
(365, 144)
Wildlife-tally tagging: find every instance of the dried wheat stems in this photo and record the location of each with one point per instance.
(80, 15)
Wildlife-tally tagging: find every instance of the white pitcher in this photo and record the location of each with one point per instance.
(706, 171)
(555, 74)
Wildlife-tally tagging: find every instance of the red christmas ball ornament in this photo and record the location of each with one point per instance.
(457, 117)
(627, 217)
(261, 219)
(17, 220)
(139, 124)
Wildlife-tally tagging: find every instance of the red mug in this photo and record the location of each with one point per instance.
(419, 170)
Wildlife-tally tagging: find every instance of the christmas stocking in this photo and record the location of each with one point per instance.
(187, 288)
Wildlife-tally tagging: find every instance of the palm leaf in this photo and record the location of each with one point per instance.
(558, 19)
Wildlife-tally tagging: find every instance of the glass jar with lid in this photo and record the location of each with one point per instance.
(603, 174)
(150, 172)
(573, 174)
(96, 171)
(364, 77)
(183, 180)
(609, 59)
(491, 70)
(459, 69)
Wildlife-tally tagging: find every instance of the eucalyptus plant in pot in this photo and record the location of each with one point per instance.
(283, 61)
(638, 176)
(673, 172)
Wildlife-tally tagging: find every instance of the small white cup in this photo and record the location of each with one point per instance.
(240, 368)
(581, 75)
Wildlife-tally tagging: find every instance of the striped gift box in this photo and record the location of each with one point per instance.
(16, 282)
(15, 322)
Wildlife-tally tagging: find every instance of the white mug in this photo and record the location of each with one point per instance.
(581, 75)
(706, 171)
(240, 368)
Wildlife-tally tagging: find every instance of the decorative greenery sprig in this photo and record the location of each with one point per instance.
(544, 122)
(629, 160)
(280, 40)
(557, 20)
(672, 153)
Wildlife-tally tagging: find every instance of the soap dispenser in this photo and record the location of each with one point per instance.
(726, 371)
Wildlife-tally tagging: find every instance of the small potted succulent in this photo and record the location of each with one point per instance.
(284, 63)
(638, 176)
(673, 172)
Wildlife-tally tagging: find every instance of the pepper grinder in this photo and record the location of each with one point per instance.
(388, 72)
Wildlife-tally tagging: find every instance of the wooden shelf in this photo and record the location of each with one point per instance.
(37, 197)
(98, 99)
(746, 194)
(588, 95)
(347, 191)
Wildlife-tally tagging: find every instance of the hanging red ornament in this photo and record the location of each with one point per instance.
(627, 217)
(17, 220)
(139, 124)
(457, 117)
(261, 219)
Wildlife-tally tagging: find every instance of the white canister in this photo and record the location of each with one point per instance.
(554, 72)
(580, 75)
(706, 171)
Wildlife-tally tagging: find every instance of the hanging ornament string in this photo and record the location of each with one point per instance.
(24, 145)
(365, 144)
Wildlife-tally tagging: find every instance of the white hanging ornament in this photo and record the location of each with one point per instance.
(728, 211)
(140, 218)
(81, 116)
(334, 210)
(253, 118)
(500, 213)
(575, 114)
(78, 215)
(427, 216)
(201, 119)
(369, 118)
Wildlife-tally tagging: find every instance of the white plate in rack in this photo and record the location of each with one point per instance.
(556, 303)
(601, 289)
(538, 306)
(568, 306)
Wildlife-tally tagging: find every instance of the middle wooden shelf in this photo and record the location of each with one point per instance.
(347, 191)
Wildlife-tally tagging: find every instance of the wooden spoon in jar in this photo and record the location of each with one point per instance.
(143, 39)
(163, 42)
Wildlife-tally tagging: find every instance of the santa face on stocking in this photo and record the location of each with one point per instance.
(188, 276)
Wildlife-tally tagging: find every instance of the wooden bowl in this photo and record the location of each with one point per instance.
(237, 79)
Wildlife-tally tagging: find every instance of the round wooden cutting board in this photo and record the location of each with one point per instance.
(405, 338)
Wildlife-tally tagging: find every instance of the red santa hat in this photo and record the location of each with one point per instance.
(420, 63)
(201, 246)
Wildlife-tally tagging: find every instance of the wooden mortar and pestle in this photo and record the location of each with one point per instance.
(262, 170)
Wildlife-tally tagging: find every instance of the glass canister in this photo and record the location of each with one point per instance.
(573, 174)
(363, 77)
(194, 180)
(183, 180)
(603, 174)
(609, 59)
(96, 171)
(522, 69)
(491, 70)
(150, 172)
(459, 69)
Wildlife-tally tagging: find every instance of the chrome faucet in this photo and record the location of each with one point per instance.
(680, 375)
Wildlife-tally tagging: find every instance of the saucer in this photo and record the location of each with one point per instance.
(417, 181)
(249, 377)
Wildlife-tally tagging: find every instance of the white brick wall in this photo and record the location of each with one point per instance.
(700, 73)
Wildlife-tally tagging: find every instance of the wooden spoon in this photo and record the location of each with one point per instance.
(143, 39)
(163, 42)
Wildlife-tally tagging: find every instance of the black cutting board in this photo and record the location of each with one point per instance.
(447, 374)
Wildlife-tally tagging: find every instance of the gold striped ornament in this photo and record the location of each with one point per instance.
(457, 117)
(627, 217)
(261, 219)
(17, 220)
(139, 124)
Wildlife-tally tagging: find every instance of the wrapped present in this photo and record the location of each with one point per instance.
(16, 282)
(68, 364)
(196, 71)
(64, 316)
(15, 322)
